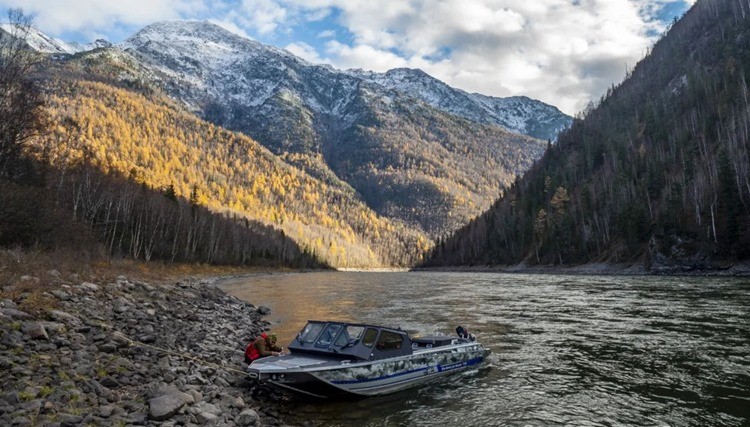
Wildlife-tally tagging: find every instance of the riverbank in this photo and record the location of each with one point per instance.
(123, 351)
(601, 269)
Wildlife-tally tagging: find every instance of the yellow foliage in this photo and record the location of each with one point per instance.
(157, 144)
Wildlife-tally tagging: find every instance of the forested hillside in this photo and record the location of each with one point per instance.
(54, 198)
(153, 142)
(658, 172)
(430, 166)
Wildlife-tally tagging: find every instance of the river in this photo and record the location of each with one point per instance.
(566, 350)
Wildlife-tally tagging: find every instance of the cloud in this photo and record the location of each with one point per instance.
(56, 16)
(231, 27)
(562, 52)
(306, 52)
(559, 51)
(263, 16)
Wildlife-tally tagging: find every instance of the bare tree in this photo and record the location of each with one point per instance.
(21, 115)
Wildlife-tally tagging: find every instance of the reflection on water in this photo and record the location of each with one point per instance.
(566, 350)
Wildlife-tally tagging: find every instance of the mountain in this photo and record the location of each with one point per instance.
(43, 43)
(99, 119)
(409, 159)
(657, 174)
(517, 114)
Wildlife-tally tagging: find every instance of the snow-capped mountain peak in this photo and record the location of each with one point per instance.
(202, 63)
(43, 43)
(202, 39)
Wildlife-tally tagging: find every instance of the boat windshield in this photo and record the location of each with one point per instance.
(349, 336)
(326, 338)
(310, 332)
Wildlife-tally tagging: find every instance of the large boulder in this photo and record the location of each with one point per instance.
(248, 417)
(164, 407)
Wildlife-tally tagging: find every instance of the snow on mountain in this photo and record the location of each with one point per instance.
(43, 43)
(517, 114)
(398, 140)
(211, 62)
(204, 63)
(201, 61)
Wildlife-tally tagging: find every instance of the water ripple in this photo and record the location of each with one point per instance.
(567, 350)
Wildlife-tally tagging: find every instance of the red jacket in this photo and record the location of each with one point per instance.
(251, 351)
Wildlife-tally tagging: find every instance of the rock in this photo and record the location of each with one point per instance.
(196, 379)
(54, 273)
(21, 422)
(263, 310)
(195, 320)
(163, 407)
(109, 347)
(53, 327)
(32, 405)
(35, 330)
(15, 314)
(147, 339)
(6, 303)
(67, 318)
(206, 418)
(137, 418)
(248, 417)
(61, 295)
(106, 411)
(88, 287)
(109, 382)
(207, 408)
(68, 420)
(120, 339)
(197, 396)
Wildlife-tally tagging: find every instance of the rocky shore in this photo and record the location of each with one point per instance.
(128, 353)
(608, 269)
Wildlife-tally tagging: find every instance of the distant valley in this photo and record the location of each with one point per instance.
(386, 162)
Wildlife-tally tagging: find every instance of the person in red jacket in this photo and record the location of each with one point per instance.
(264, 346)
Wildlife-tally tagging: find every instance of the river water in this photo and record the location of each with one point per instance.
(566, 350)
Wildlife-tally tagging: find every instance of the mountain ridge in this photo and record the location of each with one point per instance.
(314, 114)
(655, 174)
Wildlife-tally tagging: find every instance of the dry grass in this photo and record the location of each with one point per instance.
(27, 277)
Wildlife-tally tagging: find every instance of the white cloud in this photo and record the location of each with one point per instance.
(264, 16)
(559, 51)
(306, 52)
(230, 26)
(96, 15)
(562, 52)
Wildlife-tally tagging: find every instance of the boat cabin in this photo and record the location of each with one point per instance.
(358, 341)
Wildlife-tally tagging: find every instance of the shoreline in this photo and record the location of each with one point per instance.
(79, 349)
(128, 352)
(596, 269)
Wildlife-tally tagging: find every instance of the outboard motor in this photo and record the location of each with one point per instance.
(463, 333)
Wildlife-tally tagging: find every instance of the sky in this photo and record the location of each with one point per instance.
(562, 52)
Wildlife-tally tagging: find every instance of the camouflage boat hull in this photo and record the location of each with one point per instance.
(324, 377)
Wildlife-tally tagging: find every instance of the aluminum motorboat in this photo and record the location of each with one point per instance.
(340, 359)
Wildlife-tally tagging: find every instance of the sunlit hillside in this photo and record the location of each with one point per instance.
(156, 143)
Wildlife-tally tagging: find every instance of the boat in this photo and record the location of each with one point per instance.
(339, 359)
